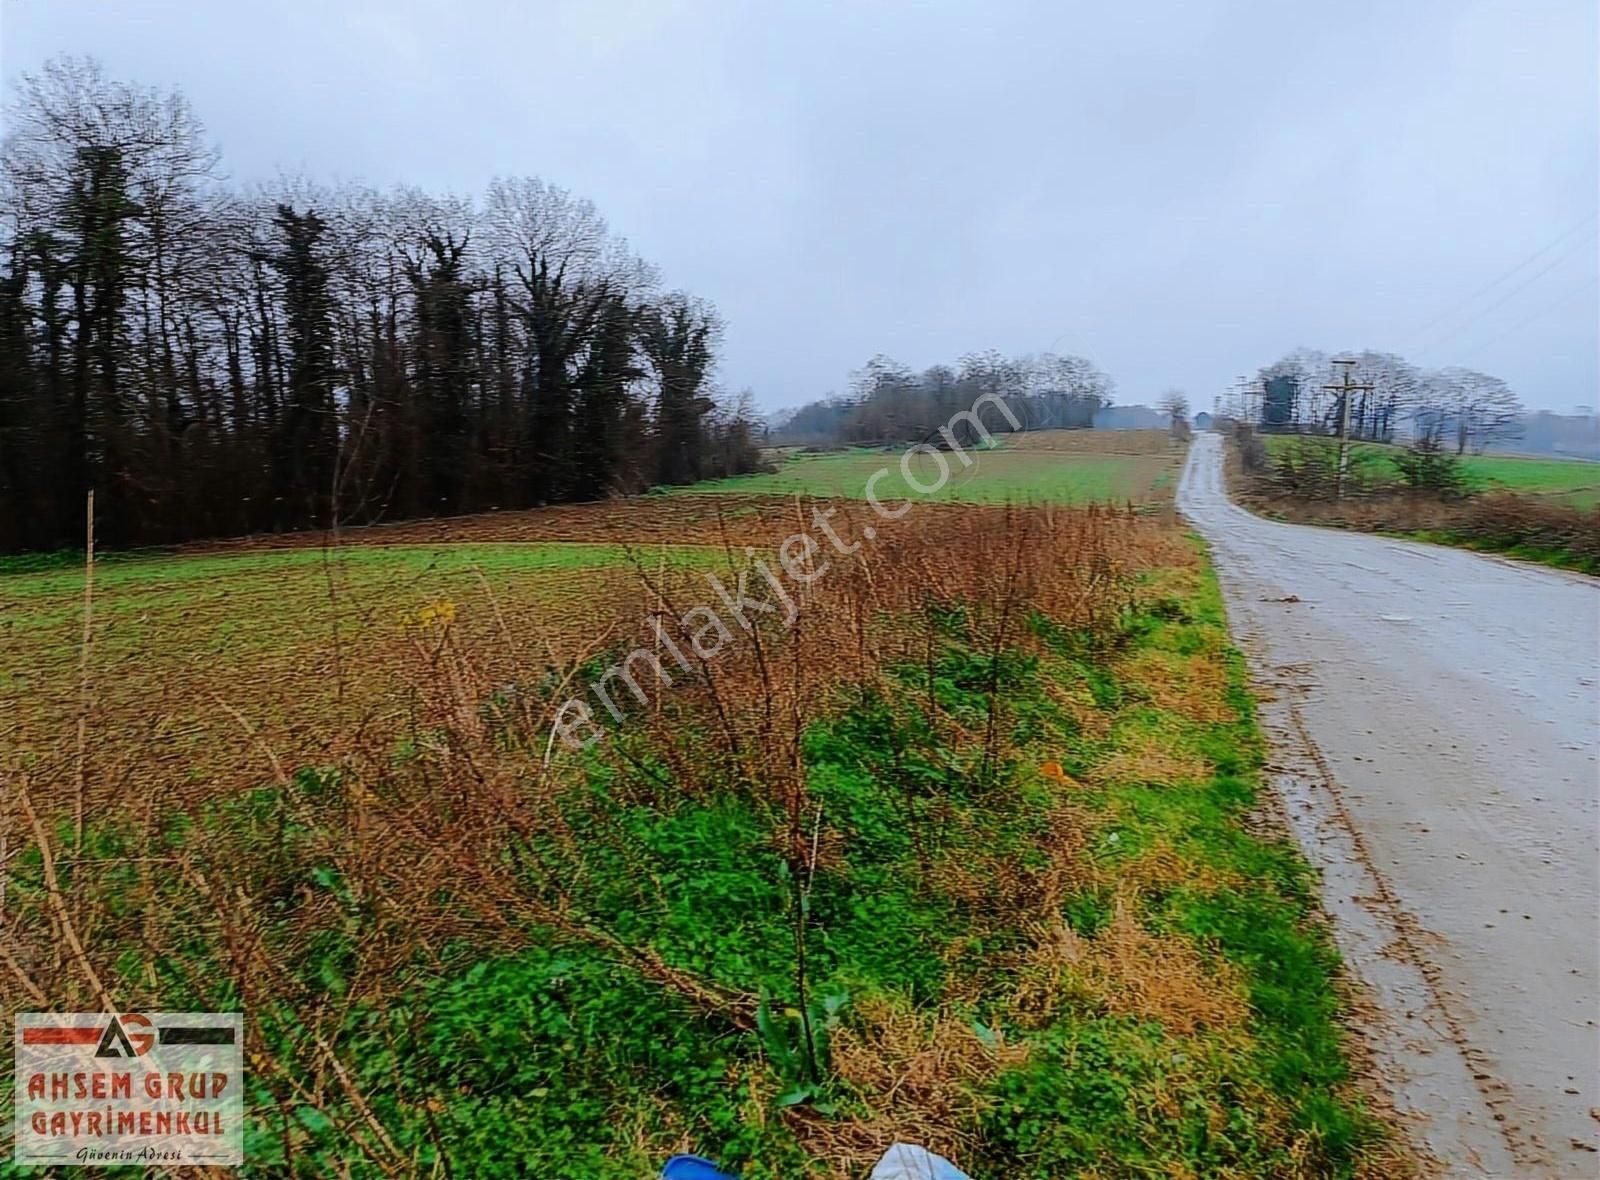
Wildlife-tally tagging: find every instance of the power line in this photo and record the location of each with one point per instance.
(1569, 297)
(1452, 333)
(1487, 287)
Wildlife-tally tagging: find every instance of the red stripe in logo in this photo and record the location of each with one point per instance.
(61, 1036)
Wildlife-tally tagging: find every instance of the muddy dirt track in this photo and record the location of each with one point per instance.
(1435, 720)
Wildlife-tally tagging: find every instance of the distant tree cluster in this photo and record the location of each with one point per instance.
(890, 403)
(1576, 434)
(214, 361)
(1462, 407)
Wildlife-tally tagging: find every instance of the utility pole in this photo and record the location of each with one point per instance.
(1344, 389)
(1244, 389)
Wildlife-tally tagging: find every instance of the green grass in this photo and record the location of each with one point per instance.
(1566, 481)
(272, 595)
(1553, 557)
(1572, 482)
(218, 619)
(177, 575)
(996, 476)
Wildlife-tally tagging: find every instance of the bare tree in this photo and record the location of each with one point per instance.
(1474, 408)
(888, 402)
(212, 360)
(1482, 409)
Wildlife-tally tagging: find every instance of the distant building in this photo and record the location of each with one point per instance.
(1130, 418)
(1202, 421)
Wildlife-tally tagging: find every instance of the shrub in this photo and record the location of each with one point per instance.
(1522, 526)
(1308, 468)
(1530, 527)
(1426, 466)
(1252, 451)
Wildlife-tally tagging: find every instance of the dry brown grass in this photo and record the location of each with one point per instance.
(1150, 758)
(996, 885)
(686, 519)
(1097, 442)
(314, 658)
(1193, 686)
(1163, 867)
(919, 1075)
(1073, 697)
(1129, 970)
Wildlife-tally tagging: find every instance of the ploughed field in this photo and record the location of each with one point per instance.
(948, 832)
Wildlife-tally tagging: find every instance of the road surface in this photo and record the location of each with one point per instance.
(1435, 722)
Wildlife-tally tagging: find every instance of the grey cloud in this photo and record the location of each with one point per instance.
(1180, 190)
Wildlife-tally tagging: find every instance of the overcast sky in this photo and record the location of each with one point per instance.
(1180, 191)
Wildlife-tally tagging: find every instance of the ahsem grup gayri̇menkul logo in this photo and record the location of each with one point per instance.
(131, 1088)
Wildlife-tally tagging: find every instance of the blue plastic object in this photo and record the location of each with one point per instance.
(693, 1167)
(907, 1161)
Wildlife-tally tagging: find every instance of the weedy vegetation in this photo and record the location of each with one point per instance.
(969, 855)
(1544, 510)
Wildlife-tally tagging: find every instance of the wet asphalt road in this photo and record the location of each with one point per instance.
(1452, 701)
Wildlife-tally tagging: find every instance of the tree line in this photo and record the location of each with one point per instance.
(1455, 406)
(213, 360)
(888, 402)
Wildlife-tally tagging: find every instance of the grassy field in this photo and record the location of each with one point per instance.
(1572, 482)
(287, 636)
(1062, 467)
(971, 855)
(1563, 481)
